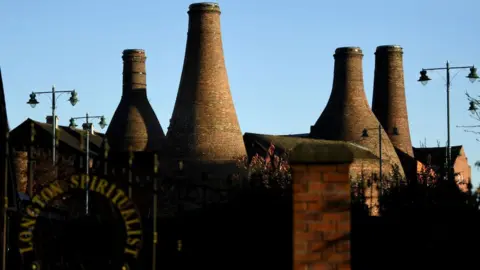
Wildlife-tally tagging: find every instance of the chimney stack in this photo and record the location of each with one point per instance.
(204, 127)
(134, 72)
(347, 112)
(49, 120)
(389, 102)
(134, 123)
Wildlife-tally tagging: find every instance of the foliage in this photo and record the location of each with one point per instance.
(359, 197)
(273, 170)
(418, 220)
(45, 172)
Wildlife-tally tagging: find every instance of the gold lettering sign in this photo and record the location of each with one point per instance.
(130, 215)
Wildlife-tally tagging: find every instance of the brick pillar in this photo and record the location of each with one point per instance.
(321, 216)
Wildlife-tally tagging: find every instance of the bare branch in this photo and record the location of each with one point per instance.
(474, 126)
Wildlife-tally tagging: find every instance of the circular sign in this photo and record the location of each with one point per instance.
(116, 196)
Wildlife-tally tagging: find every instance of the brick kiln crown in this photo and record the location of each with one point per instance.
(348, 51)
(389, 48)
(204, 125)
(347, 112)
(134, 124)
(205, 6)
(389, 102)
(134, 71)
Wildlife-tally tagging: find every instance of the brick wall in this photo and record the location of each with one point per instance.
(321, 216)
(464, 171)
(21, 170)
(368, 170)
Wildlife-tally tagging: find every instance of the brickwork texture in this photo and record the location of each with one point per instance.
(347, 112)
(464, 170)
(134, 124)
(389, 102)
(321, 197)
(204, 126)
(21, 170)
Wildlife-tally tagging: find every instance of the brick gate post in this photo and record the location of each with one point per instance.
(321, 206)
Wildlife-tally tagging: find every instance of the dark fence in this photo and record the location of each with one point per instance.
(433, 238)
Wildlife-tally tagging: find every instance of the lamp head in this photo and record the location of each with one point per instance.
(473, 107)
(424, 77)
(33, 100)
(473, 76)
(73, 98)
(103, 122)
(72, 123)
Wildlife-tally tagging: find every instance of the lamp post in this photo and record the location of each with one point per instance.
(33, 102)
(87, 126)
(155, 210)
(180, 186)
(472, 76)
(379, 129)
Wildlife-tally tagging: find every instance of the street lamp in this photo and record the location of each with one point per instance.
(472, 76)
(87, 126)
(379, 128)
(473, 107)
(33, 102)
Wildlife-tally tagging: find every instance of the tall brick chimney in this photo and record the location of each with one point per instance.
(347, 112)
(134, 123)
(204, 127)
(389, 102)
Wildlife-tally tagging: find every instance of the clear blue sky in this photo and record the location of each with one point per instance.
(278, 55)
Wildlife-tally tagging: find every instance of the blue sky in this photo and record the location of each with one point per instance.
(279, 56)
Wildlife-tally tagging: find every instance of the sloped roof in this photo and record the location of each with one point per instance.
(307, 150)
(68, 136)
(436, 155)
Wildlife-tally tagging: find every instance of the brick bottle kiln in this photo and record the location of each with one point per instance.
(134, 125)
(347, 112)
(389, 103)
(204, 131)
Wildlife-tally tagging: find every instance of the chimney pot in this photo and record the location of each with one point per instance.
(49, 120)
